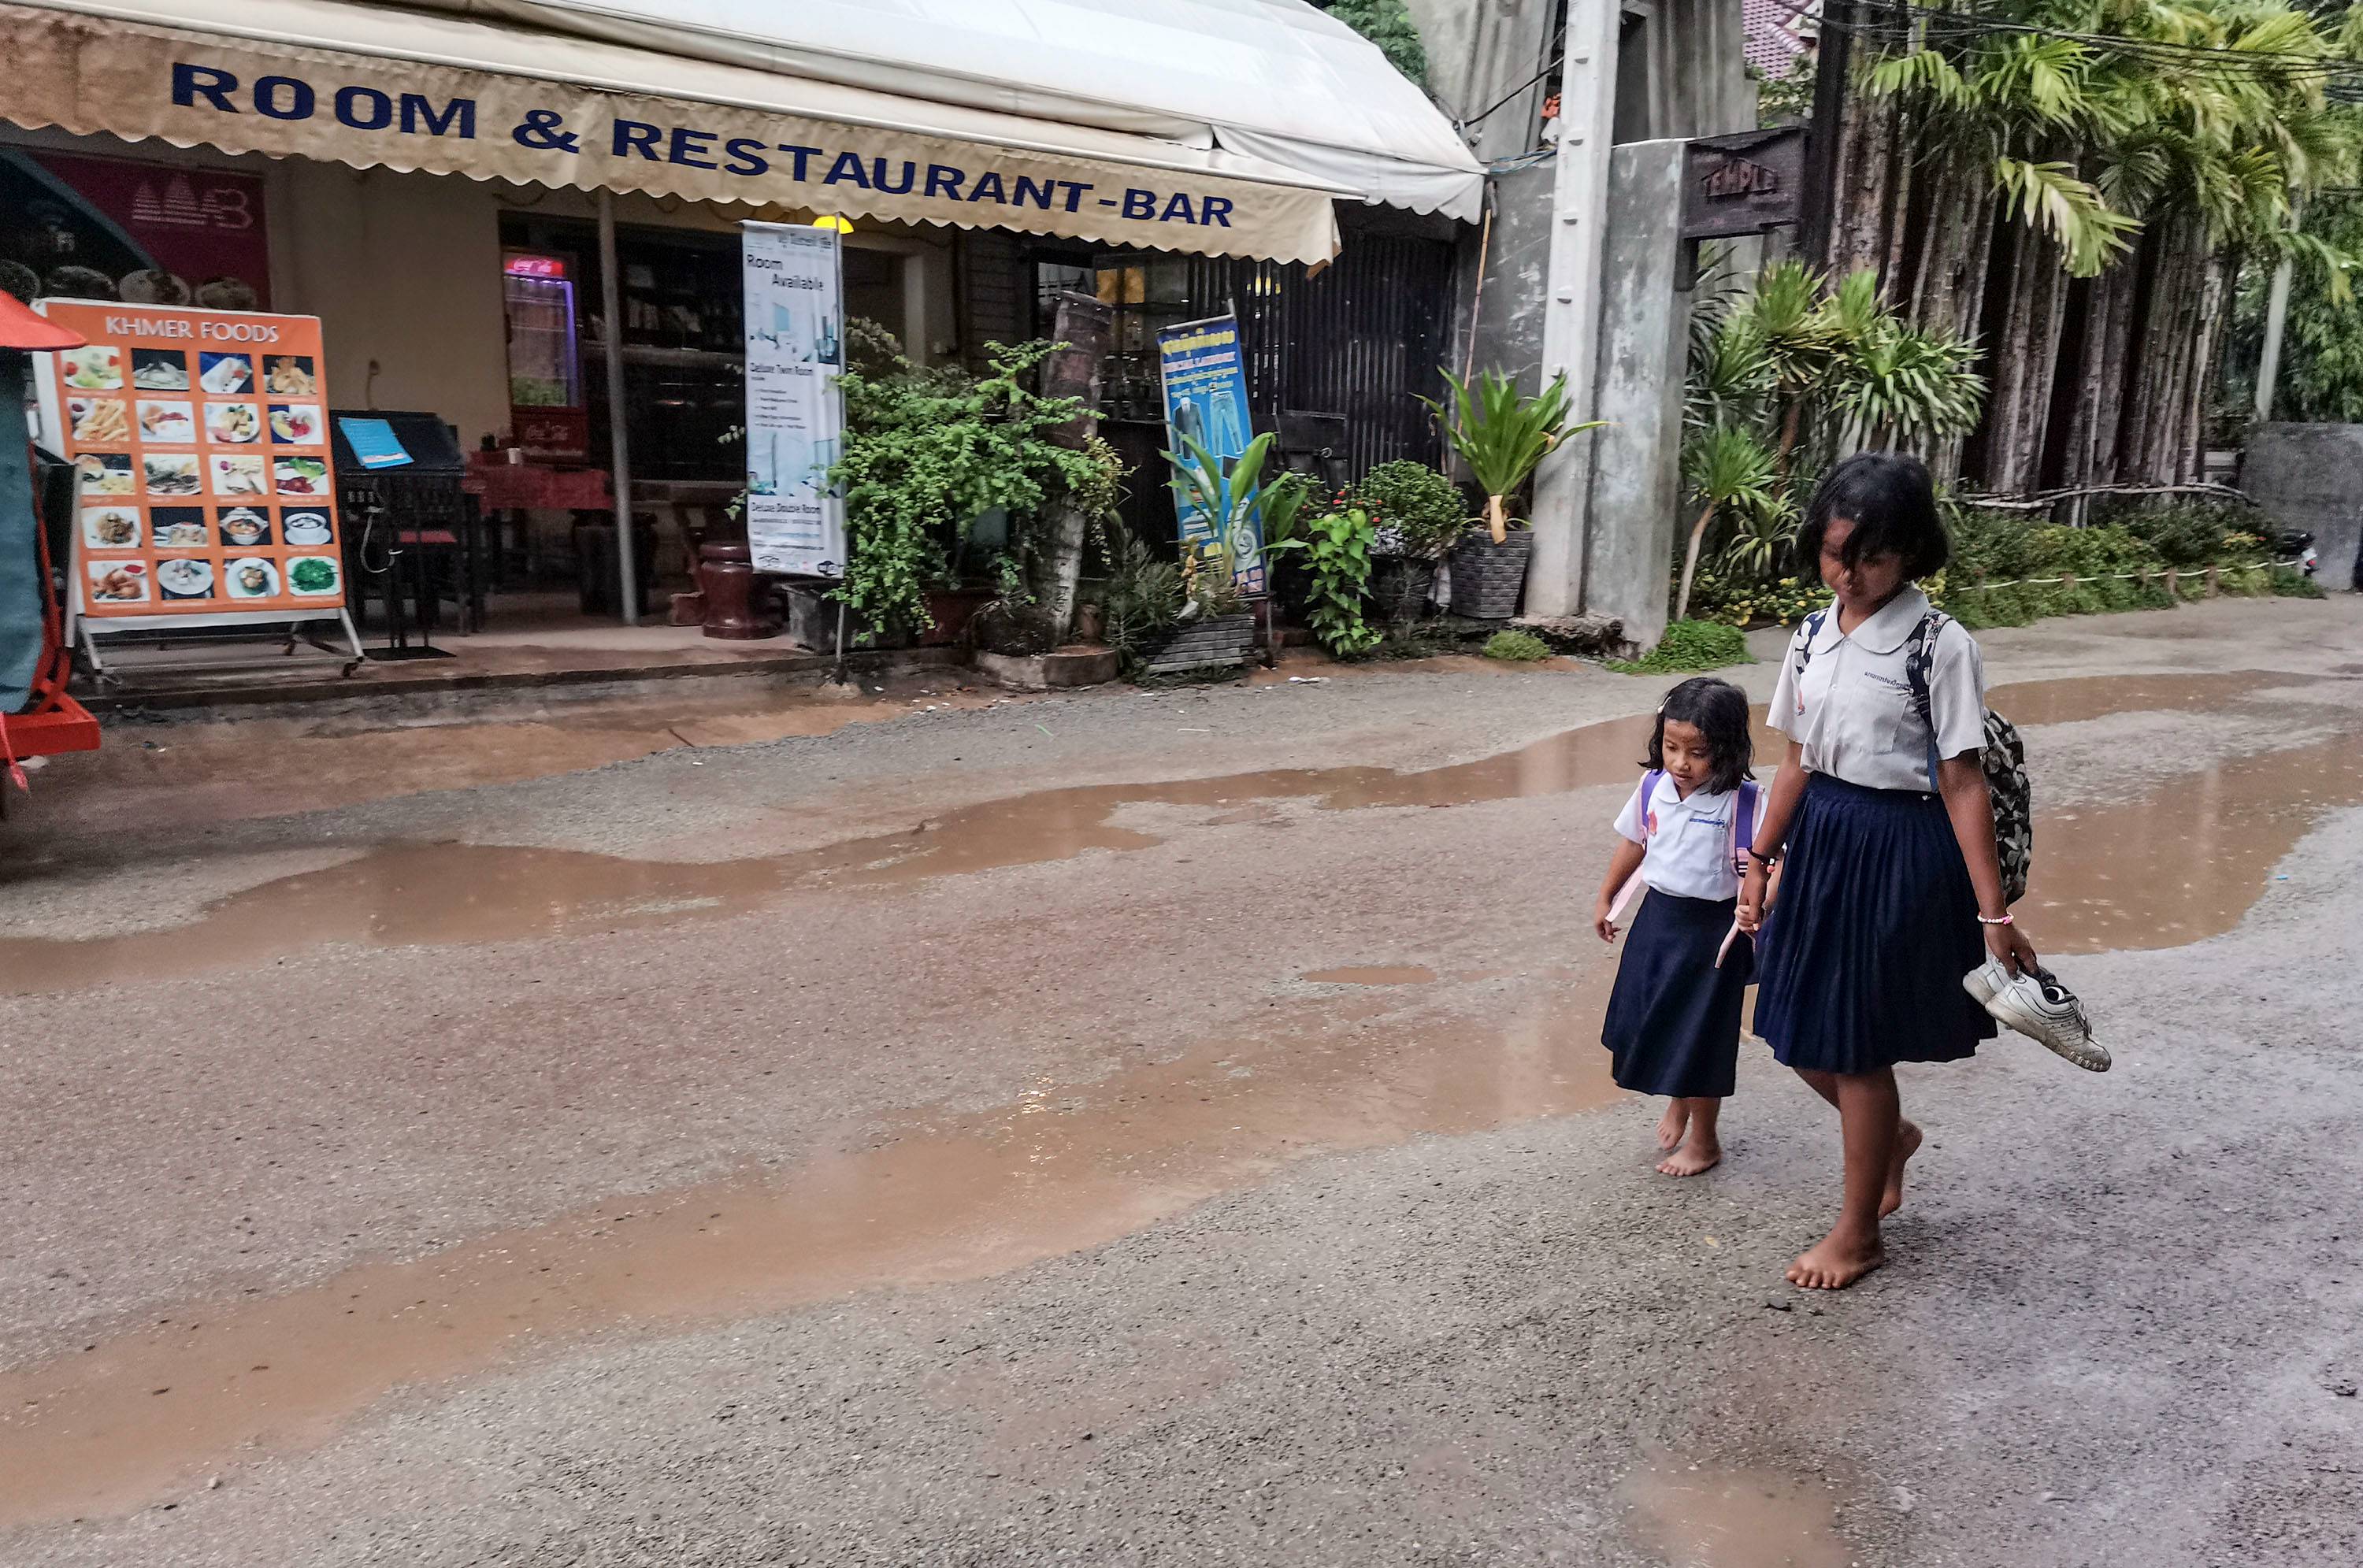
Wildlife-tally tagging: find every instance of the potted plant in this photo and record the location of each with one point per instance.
(1416, 516)
(1336, 546)
(928, 452)
(1501, 435)
(1241, 513)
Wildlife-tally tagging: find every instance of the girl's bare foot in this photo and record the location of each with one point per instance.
(1674, 1124)
(1907, 1143)
(1696, 1157)
(1837, 1261)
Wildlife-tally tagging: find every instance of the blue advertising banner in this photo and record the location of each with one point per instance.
(1206, 401)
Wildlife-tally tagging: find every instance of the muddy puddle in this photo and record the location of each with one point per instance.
(449, 893)
(940, 1199)
(2121, 876)
(1712, 1516)
(1065, 1166)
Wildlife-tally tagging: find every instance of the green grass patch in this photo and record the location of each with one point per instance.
(1516, 648)
(1689, 646)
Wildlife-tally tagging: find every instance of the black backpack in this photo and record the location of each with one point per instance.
(2003, 758)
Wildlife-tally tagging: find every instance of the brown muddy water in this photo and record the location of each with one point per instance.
(1705, 1515)
(2183, 864)
(1065, 1166)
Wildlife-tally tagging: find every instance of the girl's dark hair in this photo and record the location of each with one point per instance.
(1888, 498)
(1719, 711)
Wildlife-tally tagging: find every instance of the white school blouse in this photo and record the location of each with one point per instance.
(1687, 840)
(1852, 709)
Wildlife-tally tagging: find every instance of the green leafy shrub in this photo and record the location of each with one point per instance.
(1336, 546)
(1516, 648)
(2288, 582)
(1418, 507)
(1690, 645)
(926, 451)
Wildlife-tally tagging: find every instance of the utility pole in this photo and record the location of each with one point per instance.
(1832, 57)
(1586, 134)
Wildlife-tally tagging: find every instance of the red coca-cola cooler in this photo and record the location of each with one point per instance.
(547, 418)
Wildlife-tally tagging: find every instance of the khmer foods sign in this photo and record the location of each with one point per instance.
(90, 75)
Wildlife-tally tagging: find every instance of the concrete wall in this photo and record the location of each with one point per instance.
(1507, 314)
(1645, 327)
(2311, 477)
(1479, 51)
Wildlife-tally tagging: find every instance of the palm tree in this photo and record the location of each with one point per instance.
(1725, 470)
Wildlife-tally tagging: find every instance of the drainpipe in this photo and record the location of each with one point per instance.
(619, 445)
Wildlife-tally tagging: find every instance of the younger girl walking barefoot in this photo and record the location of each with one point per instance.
(1673, 1020)
(1890, 889)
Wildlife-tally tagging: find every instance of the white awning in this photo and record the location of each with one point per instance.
(497, 98)
(1273, 79)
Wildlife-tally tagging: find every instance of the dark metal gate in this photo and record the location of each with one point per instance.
(1353, 347)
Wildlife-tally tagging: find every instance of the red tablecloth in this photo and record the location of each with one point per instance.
(500, 487)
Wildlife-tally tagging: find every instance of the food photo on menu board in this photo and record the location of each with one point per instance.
(179, 528)
(233, 424)
(199, 443)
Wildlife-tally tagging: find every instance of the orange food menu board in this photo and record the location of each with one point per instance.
(202, 439)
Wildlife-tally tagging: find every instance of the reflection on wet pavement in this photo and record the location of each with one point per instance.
(942, 1198)
(1709, 1516)
(2248, 813)
(1065, 1166)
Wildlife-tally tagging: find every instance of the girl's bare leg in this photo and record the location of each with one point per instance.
(1675, 1122)
(1871, 1115)
(1699, 1151)
(1907, 1139)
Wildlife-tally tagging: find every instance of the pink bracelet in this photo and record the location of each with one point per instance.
(1998, 920)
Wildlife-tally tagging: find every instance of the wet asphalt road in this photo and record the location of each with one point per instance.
(1195, 1256)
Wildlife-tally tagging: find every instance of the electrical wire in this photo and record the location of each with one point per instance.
(1896, 21)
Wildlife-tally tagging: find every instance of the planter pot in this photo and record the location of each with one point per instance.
(952, 608)
(1060, 670)
(1487, 577)
(726, 580)
(1400, 588)
(812, 622)
(1220, 643)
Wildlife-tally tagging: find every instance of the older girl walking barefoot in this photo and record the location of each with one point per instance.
(1890, 888)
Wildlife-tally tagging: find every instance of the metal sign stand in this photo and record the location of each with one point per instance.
(85, 633)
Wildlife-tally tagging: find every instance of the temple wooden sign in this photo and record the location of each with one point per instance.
(1735, 185)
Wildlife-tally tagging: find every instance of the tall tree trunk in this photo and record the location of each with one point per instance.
(1948, 286)
(2024, 356)
(2214, 289)
(1085, 329)
(2094, 438)
(2159, 394)
(1866, 154)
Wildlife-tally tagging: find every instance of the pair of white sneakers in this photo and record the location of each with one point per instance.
(2040, 1007)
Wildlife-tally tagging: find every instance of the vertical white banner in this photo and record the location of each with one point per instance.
(795, 343)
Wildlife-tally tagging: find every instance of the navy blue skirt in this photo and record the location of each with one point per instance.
(1673, 1019)
(1861, 960)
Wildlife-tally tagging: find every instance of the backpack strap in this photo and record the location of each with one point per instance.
(1918, 661)
(1633, 884)
(1742, 826)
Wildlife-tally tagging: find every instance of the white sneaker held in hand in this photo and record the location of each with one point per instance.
(2040, 1007)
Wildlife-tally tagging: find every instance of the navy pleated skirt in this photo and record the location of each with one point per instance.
(1673, 1019)
(1861, 963)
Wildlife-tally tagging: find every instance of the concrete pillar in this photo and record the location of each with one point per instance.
(1636, 468)
(1571, 303)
